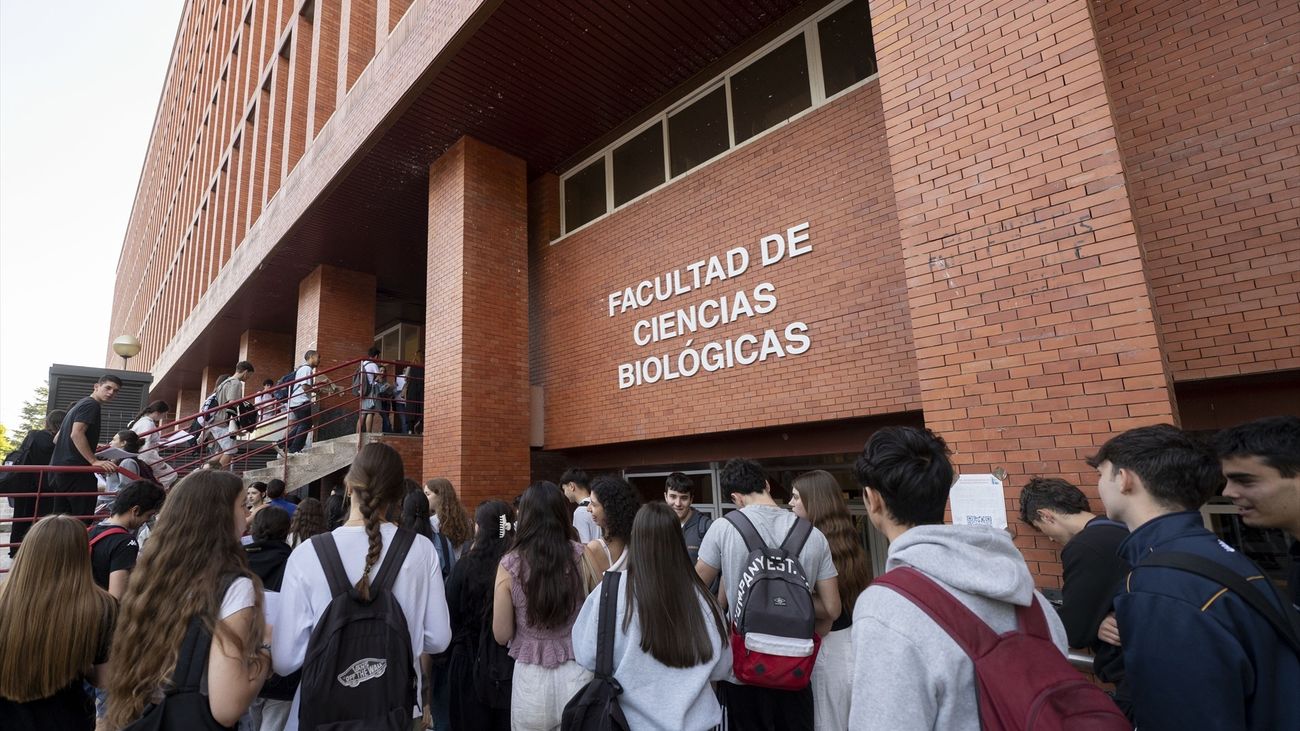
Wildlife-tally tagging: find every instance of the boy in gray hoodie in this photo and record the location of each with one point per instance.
(908, 672)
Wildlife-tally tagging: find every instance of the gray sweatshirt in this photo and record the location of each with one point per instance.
(908, 673)
(655, 696)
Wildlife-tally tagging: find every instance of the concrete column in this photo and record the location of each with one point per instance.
(270, 353)
(476, 327)
(1035, 333)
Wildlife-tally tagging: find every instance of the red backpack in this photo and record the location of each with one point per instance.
(1022, 680)
(112, 530)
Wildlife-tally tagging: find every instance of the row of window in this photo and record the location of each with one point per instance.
(819, 60)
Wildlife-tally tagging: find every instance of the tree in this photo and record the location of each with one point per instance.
(33, 412)
(6, 446)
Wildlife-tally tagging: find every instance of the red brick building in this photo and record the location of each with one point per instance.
(653, 237)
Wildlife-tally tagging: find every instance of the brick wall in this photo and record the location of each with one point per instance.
(270, 353)
(1207, 105)
(336, 316)
(1035, 333)
(411, 450)
(829, 169)
(476, 404)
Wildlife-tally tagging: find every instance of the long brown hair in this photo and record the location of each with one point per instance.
(376, 481)
(453, 521)
(194, 554)
(549, 570)
(823, 501)
(308, 520)
(53, 618)
(666, 591)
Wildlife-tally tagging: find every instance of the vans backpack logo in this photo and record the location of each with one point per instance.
(367, 668)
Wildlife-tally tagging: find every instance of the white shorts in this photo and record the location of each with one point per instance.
(220, 433)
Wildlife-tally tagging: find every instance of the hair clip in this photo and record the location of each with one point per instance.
(502, 525)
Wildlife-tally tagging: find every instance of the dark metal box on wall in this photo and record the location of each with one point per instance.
(69, 384)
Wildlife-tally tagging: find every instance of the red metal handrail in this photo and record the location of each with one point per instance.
(41, 494)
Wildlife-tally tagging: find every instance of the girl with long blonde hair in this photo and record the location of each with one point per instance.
(374, 485)
(817, 497)
(55, 625)
(192, 584)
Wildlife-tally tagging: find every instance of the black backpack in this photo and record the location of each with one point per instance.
(595, 707)
(282, 389)
(494, 669)
(183, 707)
(359, 669)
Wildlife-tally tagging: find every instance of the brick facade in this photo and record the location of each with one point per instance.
(336, 315)
(271, 354)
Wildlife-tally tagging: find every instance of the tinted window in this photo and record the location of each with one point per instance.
(698, 132)
(848, 54)
(584, 195)
(639, 164)
(771, 89)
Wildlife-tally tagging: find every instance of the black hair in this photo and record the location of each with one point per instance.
(244, 366)
(577, 476)
(1051, 493)
(270, 524)
(138, 494)
(373, 352)
(153, 408)
(679, 482)
(268, 382)
(54, 419)
(259, 486)
(1178, 470)
(620, 502)
(131, 441)
(109, 378)
(1275, 440)
(415, 513)
(552, 586)
(275, 489)
(909, 468)
(744, 476)
(307, 355)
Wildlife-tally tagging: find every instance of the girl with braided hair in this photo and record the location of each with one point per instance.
(374, 484)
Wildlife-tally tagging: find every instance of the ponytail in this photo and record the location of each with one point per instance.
(373, 515)
(376, 479)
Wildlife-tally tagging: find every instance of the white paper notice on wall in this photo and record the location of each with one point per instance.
(978, 500)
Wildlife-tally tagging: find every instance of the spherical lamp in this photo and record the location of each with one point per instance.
(127, 347)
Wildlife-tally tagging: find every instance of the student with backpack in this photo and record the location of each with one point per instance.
(366, 386)
(55, 626)
(537, 597)
(192, 610)
(483, 706)
(952, 593)
(669, 637)
(113, 546)
(816, 496)
(361, 670)
(771, 562)
(1208, 641)
(146, 425)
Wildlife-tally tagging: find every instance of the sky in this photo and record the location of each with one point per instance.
(79, 87)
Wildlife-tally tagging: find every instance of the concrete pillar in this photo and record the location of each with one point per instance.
(476, 325)
(1035, 333)
(270, 353)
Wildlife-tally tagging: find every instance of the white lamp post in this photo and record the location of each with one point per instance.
(127, 347)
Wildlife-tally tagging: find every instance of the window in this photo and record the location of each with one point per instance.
(698, 132)
(584, 195)
(771, 90)
(848, 54)
(639, 164)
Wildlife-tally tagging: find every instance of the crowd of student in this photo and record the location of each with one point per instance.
(390, 606)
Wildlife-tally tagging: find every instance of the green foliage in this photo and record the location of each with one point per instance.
(6, 446)
(33, 413)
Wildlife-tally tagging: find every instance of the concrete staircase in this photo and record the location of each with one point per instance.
(322, 458)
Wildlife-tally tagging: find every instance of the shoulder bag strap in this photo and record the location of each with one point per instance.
(1032, 621)
(797, 537)
(1284, 623)
(116, 530)
(192, 661)
(606, 624)
(392, 564)
(970, 632)
(328, 553)
(753, 541)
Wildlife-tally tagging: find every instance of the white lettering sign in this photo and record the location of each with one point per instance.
(688, 320)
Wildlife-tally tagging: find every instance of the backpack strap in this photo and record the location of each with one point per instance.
(742, 523)
(796, 537)
(606, 624)
(193, 659)
(970, 632)
(1284, 622)
(115, 530)
(397, 551)
(328, 553)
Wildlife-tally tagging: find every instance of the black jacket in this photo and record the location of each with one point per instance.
(37, 449)
(267, 560)
(1092, 571)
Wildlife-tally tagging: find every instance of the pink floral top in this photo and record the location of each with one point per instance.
(546, 647)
